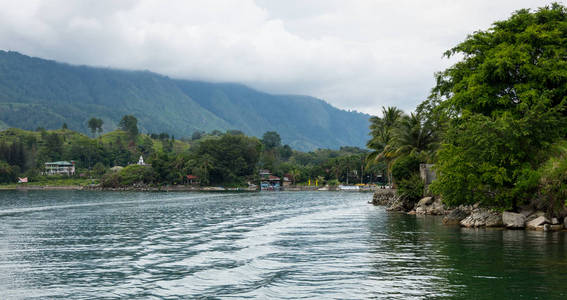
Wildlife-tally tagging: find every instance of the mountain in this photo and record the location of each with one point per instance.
(42, 93)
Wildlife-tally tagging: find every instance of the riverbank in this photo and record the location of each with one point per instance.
(180, 188)
(472, 216)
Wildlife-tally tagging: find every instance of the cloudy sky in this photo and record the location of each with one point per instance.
(355, 54)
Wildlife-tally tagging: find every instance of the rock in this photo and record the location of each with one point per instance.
(554, 221)
(384, 197)
(494, 220)
(513, 220)
(411, 212)
(546, 227)
(427, 206)
(526, 211)
(556, 227)
(425, 201)
(455, 216)
(481, 217)
(535, 215)
(437, 207)
(537, 223)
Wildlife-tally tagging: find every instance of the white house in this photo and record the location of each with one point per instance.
(60, 168)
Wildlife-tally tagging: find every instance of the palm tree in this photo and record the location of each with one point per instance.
(414, 135)
(381, 131)
(294, 174)
(205, 166)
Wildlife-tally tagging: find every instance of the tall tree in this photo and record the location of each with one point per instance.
(415, 135)
(271, 140)
(381, 136)
(505, 101)
(95, 124)
(129, 124)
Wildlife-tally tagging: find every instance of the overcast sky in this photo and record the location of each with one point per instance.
(356, 55)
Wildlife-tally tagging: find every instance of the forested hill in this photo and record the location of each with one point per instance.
(42, 93)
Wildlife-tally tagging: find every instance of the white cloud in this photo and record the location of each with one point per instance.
(354, 54)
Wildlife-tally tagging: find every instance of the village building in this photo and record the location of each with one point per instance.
(60, 168)
(193, 179)
(286, 180)
(268, 181)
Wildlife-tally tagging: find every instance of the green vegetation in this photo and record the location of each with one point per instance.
(495, 124)
(40, 93)
(94, 125)
(229, 159)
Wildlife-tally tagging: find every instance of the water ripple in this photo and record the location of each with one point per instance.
(72, 244)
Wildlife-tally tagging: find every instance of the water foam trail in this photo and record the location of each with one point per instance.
(13, 211)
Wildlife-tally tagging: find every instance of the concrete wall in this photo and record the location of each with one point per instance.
(427, 173)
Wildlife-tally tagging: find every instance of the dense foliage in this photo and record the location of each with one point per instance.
(216, 158)
(505, 106)
(495, 119)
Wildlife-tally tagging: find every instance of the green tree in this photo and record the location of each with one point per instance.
(129, 124)
(95, 124)
(8, 173)
(412, 135)
(505, 105)
(271, 140)
(295, 173)
(381, 130)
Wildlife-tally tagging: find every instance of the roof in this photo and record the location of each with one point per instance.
(192, 176)
(60, 163)
(272, 177)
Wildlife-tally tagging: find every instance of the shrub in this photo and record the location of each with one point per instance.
(405, 167)
(333, 182)
(411, 189)
(130, 175)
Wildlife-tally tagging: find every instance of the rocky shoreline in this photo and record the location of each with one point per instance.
(471, 215)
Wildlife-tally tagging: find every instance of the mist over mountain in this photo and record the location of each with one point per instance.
(42, 93)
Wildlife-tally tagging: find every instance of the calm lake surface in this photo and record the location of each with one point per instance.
(287, 245)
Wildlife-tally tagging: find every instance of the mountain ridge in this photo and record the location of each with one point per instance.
(35, 92)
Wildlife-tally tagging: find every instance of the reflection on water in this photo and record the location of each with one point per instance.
(73, 244)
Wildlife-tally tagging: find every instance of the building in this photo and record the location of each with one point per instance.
(286, 180)
(60, 168)
(268, 181)
(192, 179)
(427, 173)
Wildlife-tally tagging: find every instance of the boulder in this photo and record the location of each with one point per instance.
(535, 215)
(494, 220)
(513, 220)
(482, 217)
(537, 223)
(437, 207)
(425, 201)
(428, 206)
(455, 216)
(554, 221)
(385, 197)
(556, 227)
(526, 211)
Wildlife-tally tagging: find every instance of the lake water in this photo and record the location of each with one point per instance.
(282, 245)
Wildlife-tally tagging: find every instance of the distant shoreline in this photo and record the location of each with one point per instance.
(174, 188)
